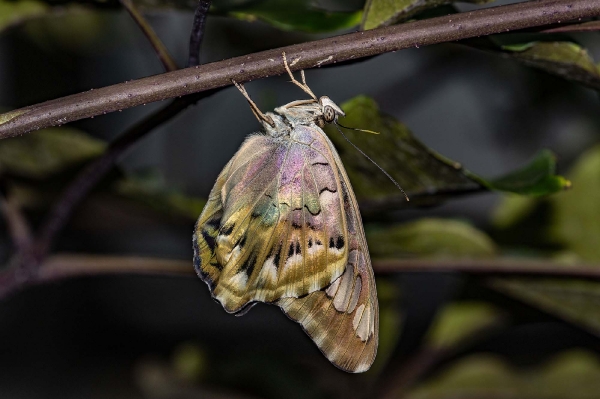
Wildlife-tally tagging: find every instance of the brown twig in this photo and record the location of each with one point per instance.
(499, 266)
(68, 265)
(62, 266)
(197, 35)
(161, 51)
(401, 379)
(18, 227)
(591, 26)
(302, 56)
(93, 265)
(411, 371)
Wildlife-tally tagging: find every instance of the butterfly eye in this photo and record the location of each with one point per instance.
(328, 114)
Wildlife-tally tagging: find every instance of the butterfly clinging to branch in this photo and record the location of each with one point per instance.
(282, 226)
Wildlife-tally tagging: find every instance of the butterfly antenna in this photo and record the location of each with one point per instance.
(373, 162)
(302, 85)
(255, 110)
(357, 129)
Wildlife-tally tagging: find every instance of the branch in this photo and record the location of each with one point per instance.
(18, 227)
(70, 265)
(492, 266)
(62, 266)
(197, 34)
(591, 26)
(160, 49)
(302, 56)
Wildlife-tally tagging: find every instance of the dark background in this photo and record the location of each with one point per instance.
(103, 336)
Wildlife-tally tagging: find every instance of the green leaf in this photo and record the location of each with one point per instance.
(289, 15)
(571, 374)
(150, 190)
(73, 28)
(296, 15)
(512, 210)
(431, 238)
(189, 362)
(569, 220)
(8, 116)
(46, 152)
(425, 175)
(575, 222)
(460, 321)
(388, 12)
(565, 59)
(574, 300)
(14, 12)
(536, 179)
(572, 223)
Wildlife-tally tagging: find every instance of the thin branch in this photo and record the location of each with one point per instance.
(197, 35)
(591, 26)
(161, 51)
(492, 266)
(302, 56)
(61, 266)
(401, 379)
(70, 265)
(67, 265)
(411, 371)
(18, 227)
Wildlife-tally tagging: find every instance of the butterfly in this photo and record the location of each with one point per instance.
(282, 226)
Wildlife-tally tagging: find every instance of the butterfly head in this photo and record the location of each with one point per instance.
(330, 110)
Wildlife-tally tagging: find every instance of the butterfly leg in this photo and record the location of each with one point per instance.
(255, 110)
(302, 85)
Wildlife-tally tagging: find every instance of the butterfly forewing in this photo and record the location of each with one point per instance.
(343, 319)
(275, 225)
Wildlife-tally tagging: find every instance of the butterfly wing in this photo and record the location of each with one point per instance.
(343, 320)
(274, 225)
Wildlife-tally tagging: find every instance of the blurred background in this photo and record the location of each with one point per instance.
(444, 335)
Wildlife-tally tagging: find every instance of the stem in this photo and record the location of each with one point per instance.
(62, 266)
(411, 371)
(68, 265)
(18, 227)
(591, 26)
(197, 34)
(160, 49)
(302, 56)
(493, 266)
(95, 265)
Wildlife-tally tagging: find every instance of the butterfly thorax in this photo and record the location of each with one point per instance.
(302, 113)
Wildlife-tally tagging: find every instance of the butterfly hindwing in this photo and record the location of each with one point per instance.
(274, 225)
(343, 319)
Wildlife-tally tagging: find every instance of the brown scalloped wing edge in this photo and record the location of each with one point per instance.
(342, 320)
